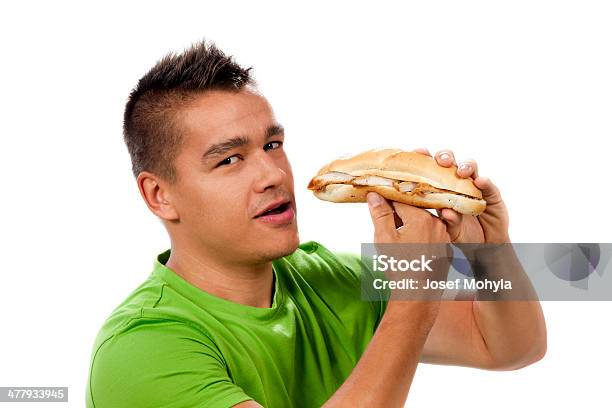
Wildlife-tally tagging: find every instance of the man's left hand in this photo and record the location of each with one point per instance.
(489, 227)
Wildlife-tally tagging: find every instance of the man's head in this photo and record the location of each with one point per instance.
(208, 156)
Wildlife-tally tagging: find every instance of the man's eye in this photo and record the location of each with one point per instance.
(227, 161)
(276, 144)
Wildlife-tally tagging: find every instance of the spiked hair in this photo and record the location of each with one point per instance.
(151, 126)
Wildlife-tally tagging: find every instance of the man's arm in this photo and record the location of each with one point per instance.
(496, 335)
(384, 373)
(486, 334)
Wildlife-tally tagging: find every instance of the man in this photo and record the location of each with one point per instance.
(238, 312)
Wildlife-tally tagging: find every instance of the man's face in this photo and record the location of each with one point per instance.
(231, 167)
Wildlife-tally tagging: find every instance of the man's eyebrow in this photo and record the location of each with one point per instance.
(274, 130)
(219, 149)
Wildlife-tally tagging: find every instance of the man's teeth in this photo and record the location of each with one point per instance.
(276, 210)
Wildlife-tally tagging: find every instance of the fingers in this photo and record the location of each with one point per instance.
(453, 221)
(490, 192)
(382, 216)
(420, 225)
(445, 158)
(467, 168)
(417, 224)
(410, 214)
(450, 217)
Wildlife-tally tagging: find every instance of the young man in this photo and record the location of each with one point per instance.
(238, 312)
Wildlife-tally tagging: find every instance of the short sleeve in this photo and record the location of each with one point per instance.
(364, 277)
(163, 364)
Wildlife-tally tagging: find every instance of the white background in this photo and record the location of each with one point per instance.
(523, 87)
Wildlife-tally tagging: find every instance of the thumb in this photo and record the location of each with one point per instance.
(382, 214)
(452, 219)
(490, 192)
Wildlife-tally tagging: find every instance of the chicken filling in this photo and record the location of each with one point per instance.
(412, 187)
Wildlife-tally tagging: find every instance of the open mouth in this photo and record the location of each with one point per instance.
(276, 210)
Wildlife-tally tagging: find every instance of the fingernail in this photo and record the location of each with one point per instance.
(444, 156)
(464, 167)
(374, 200)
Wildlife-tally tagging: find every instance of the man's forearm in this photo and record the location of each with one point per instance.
(513, 330)
(385, 371)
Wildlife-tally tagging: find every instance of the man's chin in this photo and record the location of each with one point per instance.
(288, 247)
(280, 247)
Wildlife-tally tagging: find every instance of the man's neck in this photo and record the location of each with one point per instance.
(251, 285)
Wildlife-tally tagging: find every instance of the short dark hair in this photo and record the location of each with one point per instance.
(150, 123)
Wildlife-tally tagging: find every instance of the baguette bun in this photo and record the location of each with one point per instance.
(407, 177)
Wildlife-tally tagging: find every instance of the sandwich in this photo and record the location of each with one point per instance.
(406, 177)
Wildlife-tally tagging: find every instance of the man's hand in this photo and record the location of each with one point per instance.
(425, 234)
(419, 226)
(492, 335)
(489, 227)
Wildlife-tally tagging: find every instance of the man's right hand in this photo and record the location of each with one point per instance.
(421, 234)
(419, 225)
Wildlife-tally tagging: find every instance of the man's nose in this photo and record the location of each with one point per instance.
(268, 173)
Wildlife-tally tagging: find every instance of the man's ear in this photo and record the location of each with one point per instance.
(156, 195)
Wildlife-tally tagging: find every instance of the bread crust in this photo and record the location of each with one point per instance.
(451, 191)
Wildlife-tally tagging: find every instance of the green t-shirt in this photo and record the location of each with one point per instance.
(170, 344)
